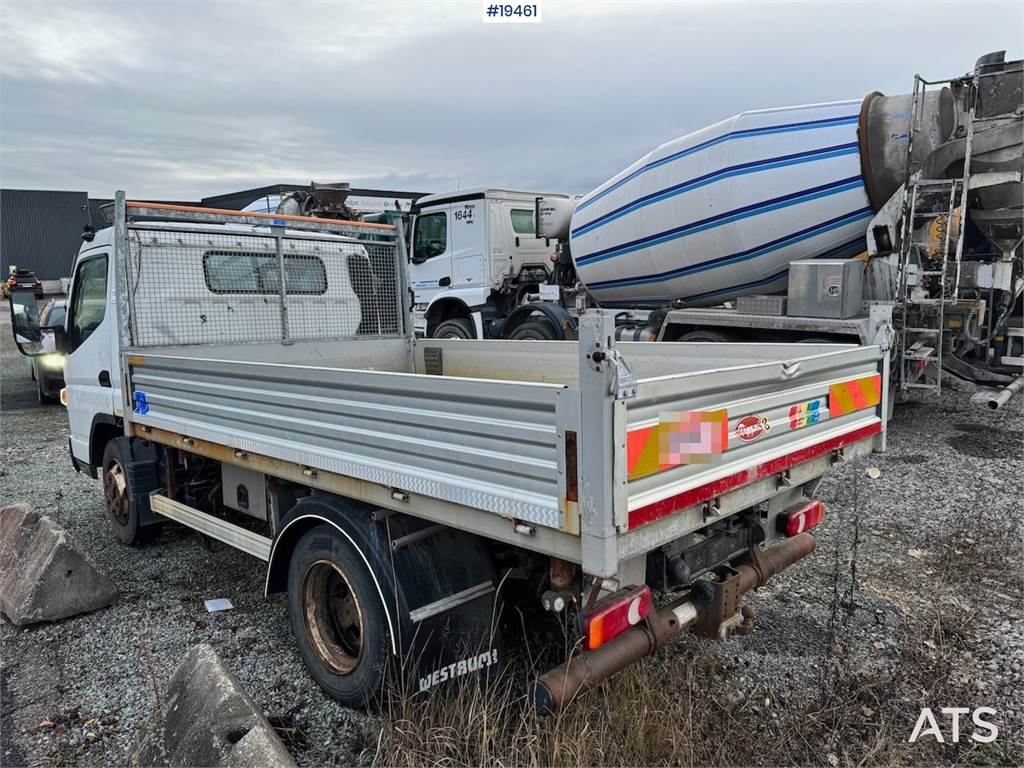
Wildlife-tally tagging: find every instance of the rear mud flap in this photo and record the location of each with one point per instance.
(448, 591)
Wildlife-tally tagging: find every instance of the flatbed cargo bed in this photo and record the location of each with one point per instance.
(484, 440)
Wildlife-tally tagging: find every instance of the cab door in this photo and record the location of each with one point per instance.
(430, 270)
(468, 244)
(91, 368)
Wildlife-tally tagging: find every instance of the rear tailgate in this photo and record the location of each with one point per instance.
(692, 438)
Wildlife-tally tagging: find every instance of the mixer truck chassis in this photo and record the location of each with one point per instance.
(920, 191)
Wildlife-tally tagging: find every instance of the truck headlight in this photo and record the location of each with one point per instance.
(53, 360)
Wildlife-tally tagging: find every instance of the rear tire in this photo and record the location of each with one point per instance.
(534, 330)
(455, 328)
(337, 617)
(709, 335)
(119, 497)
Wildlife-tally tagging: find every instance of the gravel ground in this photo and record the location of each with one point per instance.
(100, 674)
(914, 597)
(934, 543)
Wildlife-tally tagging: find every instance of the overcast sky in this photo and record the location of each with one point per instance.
(180, 99)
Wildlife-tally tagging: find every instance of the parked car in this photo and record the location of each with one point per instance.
(23, 280)
(48, 368)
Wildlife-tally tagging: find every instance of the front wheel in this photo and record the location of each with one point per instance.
(123, 510)
(337, 617)
(455, 328)
(42, 395)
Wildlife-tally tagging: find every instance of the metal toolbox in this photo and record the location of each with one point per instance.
(825, 288)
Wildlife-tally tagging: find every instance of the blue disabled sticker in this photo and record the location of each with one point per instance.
(141, 404)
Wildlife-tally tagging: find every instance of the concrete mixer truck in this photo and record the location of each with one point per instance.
(888, 219)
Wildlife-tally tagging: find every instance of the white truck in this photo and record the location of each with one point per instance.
(255, 377)
(697, 239)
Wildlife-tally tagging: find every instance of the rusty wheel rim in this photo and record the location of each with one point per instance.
(115, 493)
(333, 617)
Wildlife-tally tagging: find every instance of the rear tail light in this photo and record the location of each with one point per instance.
(64, 396)
(802, 518)
(614, 615)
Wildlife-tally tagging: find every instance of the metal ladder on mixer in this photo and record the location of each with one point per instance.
(937, 208)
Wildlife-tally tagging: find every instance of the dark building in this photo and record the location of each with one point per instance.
(41, 230)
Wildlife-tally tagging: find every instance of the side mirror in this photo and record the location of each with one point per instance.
(27, 335)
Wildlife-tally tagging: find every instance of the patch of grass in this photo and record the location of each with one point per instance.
(682, 708)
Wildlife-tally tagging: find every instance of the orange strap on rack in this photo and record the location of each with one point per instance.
(253, 214)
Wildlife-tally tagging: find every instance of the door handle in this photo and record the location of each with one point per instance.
(104, 378)
(444, 282)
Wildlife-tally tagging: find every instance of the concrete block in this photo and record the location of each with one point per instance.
(43, 575)
(206, 718)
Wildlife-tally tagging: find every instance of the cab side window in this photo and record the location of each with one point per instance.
(522, 222)
(89, 300)
(431, 237)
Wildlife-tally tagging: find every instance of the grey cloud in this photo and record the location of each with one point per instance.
(181, 100)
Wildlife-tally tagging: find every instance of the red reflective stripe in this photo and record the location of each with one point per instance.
(666, 507)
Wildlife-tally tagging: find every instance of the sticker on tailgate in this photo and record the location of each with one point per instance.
(804, 414)
(749, 428)
(681, 437)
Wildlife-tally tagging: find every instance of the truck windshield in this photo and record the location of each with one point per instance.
(431, 236)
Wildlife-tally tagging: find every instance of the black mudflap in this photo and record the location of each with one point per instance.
(143, 470)
(447, 588)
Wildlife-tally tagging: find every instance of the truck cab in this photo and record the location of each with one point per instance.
(474, 255)
(92, 363)
(234, 298)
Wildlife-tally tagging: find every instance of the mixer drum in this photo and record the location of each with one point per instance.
(721, 212)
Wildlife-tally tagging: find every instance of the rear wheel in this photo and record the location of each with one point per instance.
(709, 335)
(119, 498)
(337, 617)
(534, 330)
(455, 328)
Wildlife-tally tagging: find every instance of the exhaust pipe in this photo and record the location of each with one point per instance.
(1004, 395)
(555, 689)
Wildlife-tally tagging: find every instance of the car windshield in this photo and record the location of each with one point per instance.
(51, 314)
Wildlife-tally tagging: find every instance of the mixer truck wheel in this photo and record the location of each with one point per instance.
(534, 330)
(709, 335)
(455, 328)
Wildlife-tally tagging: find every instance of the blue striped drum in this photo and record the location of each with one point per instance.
(721, 212)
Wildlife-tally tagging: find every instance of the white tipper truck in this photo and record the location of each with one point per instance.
(885, 211)
(255, 377)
